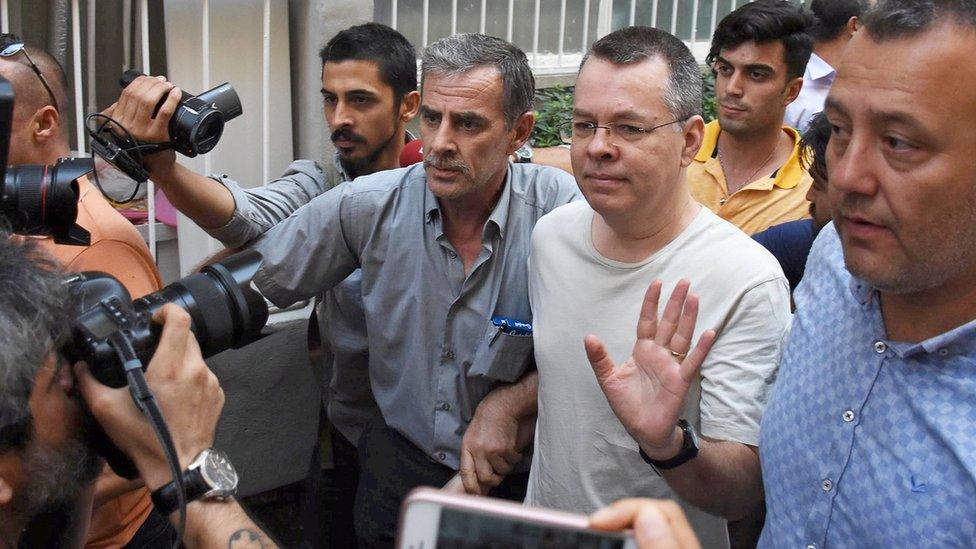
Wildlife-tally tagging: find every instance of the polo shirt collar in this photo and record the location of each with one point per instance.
(787, 176)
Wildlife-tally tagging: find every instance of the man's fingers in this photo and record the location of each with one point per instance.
(499, 464)
(692, 363)
(599, 359)
(652, 530)
(469, 479)
(161, 120)
(131, 100)
(647, 321)
(487, 478)
(681, 340)
(656, 523)
(176, 326)
(618, 516)
(672, 312)
(87, 385)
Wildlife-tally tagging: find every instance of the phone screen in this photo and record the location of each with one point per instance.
(462, 530)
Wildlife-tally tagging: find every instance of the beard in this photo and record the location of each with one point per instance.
(57, 476)
(366, 165)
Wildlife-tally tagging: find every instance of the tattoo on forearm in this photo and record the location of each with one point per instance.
(245, 538)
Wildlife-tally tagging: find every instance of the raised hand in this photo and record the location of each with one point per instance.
(647, 392)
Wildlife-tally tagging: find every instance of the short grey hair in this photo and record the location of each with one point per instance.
(683, 92)
(462, 53)
(892, 19)
(34, 322)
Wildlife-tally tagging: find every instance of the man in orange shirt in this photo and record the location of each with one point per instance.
(748, 169)
(37, 137)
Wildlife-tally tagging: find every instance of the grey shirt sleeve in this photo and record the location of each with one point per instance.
(314, 249)
(259, 209)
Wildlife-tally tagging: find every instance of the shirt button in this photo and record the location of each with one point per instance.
(446, 406)
(441, 456)
(880, 347)
(722, 201)
(826, 485)
(452, 255)
(848, 415)
(448, 354)
(943, 352)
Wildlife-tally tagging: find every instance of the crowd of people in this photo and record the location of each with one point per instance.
(778, 306)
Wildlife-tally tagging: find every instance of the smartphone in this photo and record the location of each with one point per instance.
(431, 519)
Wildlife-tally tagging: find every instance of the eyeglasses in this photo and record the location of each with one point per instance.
(10, 45)
(625, 132)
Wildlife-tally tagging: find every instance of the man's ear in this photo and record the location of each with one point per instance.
(523, 130)
(852, 25)
(46, 124)
(693, 131)
(11, 473)
(793, 88)
(409, 106)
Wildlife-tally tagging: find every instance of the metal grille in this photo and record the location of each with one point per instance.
(553, 33)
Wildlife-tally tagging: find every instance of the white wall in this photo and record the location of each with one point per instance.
(235, 46)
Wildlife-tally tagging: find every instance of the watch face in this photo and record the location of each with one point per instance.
(219, 472)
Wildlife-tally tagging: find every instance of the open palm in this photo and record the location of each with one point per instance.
(647, 392)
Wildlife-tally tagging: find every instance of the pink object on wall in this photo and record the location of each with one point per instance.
(165, 212)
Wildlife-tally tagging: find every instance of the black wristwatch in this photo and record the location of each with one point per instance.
(209, 476)
(689, 450)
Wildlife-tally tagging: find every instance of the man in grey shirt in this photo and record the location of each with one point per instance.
(369, 93)
(442, 250)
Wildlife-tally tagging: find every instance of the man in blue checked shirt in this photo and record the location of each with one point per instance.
(869, 439)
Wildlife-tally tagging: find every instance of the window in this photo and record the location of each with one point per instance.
(553, 33)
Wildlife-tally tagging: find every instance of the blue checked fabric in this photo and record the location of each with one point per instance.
(867, 442)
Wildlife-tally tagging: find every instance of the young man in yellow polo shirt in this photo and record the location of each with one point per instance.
(748, 169)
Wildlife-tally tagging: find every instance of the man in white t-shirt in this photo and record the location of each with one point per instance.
(636, 126)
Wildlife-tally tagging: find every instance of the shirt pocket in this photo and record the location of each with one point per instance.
(501, 356)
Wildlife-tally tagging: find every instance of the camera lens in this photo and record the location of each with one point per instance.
(43, 200)
(225, 310)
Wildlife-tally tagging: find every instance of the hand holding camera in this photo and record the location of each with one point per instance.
(153, 117)
(188, 393)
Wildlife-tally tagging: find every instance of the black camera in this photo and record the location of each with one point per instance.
(198, 122)
(195, 128)
(226, 313)
(39, 200)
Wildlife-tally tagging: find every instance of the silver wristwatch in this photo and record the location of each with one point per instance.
(210, 476)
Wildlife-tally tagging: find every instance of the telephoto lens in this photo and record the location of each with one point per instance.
(43, 200)
(225, 310)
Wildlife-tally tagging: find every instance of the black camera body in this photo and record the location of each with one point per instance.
(39, 200)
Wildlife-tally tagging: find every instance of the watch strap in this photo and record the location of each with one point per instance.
(689, 450)
(165, 498)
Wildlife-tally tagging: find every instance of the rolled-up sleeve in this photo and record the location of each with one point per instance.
(258, 210)
(317, 247)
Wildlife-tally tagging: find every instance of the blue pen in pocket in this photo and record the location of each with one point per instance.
(511, 326)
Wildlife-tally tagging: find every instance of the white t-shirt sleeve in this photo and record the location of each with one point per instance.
(738, 374)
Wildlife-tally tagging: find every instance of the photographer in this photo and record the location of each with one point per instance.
(122, 509)
(48, 409)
